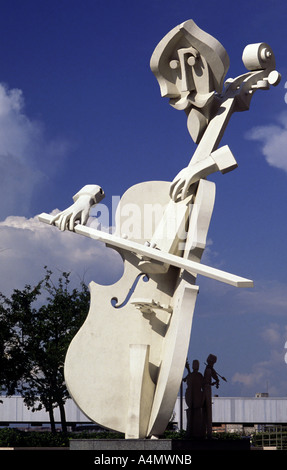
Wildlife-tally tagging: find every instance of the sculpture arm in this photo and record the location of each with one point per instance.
(84, 199)
(219, 160)
(216, 379)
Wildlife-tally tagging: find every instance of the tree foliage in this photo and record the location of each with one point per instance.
(39, 324)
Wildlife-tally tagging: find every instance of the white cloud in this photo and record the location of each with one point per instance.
(251, 379)
(27, 155)
(27, 245)
(273, 139)
(270, 373)
(272, 334)
(265, 375)
(267, 297)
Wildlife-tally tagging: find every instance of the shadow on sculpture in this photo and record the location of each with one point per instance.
(198, 397)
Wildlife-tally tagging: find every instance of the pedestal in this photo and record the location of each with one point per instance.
(155, 445)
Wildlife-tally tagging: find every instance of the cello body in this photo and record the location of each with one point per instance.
(122, 357)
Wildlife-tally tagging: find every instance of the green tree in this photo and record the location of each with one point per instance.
(42, 322)
(6, 372)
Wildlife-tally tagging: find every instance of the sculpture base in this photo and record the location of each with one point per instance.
(176, 445)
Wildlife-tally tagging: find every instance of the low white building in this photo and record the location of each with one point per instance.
(229, 411)
(14, 411)
(240, 411)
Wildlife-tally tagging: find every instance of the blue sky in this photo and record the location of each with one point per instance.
(79, 105)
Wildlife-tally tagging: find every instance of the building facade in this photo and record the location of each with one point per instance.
(228, 413)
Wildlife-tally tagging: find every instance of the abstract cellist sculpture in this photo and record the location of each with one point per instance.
(125, 365)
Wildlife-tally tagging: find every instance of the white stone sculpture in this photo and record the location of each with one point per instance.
(125, 365)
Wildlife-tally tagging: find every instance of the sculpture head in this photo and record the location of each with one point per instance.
(195, 365)
(190, 65)
(211, 359)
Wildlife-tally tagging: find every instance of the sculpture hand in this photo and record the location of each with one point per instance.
(79, 211)
(87, 197)
(180, 184)
(221, 159)
(188, 176)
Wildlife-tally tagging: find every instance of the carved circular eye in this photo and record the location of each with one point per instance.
(174, 64)
(191, 60)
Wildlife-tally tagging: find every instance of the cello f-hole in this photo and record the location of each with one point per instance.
(114, 300)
